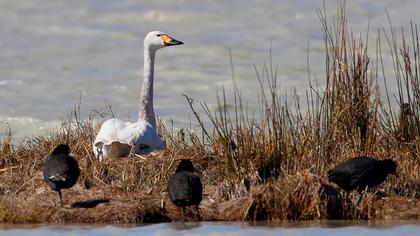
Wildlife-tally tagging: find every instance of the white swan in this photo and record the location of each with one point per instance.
(116, 137)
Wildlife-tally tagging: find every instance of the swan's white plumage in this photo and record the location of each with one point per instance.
(139, 134)
(116, 137)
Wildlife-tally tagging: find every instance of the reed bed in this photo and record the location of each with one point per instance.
(267, 167)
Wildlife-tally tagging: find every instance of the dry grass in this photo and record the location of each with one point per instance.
(269, 167)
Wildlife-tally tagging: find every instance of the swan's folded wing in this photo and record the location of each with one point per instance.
(148, 140)
(112, 131)
(140, 134)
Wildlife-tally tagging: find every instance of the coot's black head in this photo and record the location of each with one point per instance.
(61, 149)
(185, 165)
(390, 166)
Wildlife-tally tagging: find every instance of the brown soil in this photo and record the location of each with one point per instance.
(301, 198)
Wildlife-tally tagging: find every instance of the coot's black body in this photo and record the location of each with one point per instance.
(61, 169)
(185, 187)
(361, 172)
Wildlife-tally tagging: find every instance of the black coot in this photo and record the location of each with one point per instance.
(61, 169)
(185, 187)
(361, 172)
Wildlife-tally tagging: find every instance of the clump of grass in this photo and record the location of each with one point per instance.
(271, 166)
(305, 196)
(294, 197)
(339, 121)
(13, 212)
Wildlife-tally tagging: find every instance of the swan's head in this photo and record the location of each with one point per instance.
(156, 40)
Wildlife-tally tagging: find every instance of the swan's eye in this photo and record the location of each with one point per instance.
(158, 35)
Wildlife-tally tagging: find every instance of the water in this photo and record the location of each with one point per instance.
(339, 228)
(54, 53)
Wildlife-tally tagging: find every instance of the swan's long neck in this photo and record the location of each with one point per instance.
(146, 111)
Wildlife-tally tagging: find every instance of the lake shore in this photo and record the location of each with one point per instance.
(36, 203)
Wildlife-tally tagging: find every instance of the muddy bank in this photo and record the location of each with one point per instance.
(306, 197)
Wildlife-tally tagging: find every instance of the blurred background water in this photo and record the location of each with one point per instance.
(53, 53)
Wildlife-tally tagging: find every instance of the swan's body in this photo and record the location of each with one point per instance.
(116, 137)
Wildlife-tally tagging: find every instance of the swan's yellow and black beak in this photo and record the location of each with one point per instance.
(168, 41)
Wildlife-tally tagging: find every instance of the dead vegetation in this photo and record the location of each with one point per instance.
(266, 167)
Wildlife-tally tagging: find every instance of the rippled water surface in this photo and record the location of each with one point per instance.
(339, 228)
(55, 52)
